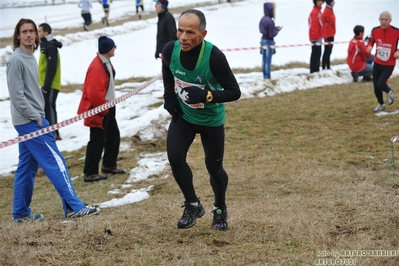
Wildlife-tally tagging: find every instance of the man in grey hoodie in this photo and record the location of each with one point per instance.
(27, 114)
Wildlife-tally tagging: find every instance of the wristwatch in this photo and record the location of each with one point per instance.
(209, 97)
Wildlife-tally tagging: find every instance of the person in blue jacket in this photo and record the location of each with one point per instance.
(139, 5)
(105, 4)
(50, 73)
(268, 30)
(27, 114)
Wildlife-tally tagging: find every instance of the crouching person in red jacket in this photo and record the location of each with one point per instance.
(360, 60)
(99, 88)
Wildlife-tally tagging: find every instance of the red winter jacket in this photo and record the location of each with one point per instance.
(315, 24)
(94, 91)
(328, 19)
(386, 41)
(357, 54)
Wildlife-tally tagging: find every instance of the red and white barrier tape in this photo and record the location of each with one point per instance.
(72, 120)
(275, 46)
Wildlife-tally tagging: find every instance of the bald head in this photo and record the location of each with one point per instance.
(385, 19)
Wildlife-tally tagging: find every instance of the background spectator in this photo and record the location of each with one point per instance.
(106, 7)
(329, 30)
(359, 60)
(315, 35)
(50, 73)
(268, 31)
(99, 88)
(166, 28)
(85, 5)
(139, 5)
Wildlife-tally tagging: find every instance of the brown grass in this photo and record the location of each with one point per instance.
(309, 171)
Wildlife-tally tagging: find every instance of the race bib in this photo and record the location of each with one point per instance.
(180, 85)
(383, 53)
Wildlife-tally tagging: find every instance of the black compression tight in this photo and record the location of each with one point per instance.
(180, 136)
(380, 76)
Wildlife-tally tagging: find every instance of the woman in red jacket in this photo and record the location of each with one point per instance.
(328, 19)
(315, 35)
(359, 60)
(386, 38)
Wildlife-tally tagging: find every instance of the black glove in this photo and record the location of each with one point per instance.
(45, 89)
(368, 38)
(156, 55)
(195, 95)
(173, 107)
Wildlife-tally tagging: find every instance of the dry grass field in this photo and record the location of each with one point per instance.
(310, 172)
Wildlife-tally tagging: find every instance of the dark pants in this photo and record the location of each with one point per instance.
(380, 76)
(106, 139)
(138, 7)
(106, 9)
(315, 58)
(327, 52)
(87, 18)
(180, 136)
(50, 110)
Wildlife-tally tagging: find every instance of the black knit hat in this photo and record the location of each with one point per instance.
(105, 44)
(164, 3)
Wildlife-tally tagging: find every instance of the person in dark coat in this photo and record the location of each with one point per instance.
(166, 26)
(49, 73)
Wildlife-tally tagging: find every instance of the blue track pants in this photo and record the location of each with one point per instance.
(41, 151)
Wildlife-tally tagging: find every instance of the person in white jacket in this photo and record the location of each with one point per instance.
(85, 5)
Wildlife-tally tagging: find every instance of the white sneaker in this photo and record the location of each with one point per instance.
(86, 211)
(379, 108)
(390, 97)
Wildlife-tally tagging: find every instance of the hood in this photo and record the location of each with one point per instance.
(268, 9)
(49, 40)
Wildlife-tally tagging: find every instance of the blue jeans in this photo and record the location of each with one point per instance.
(41, 151)
(267, 57)
(368, 71)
